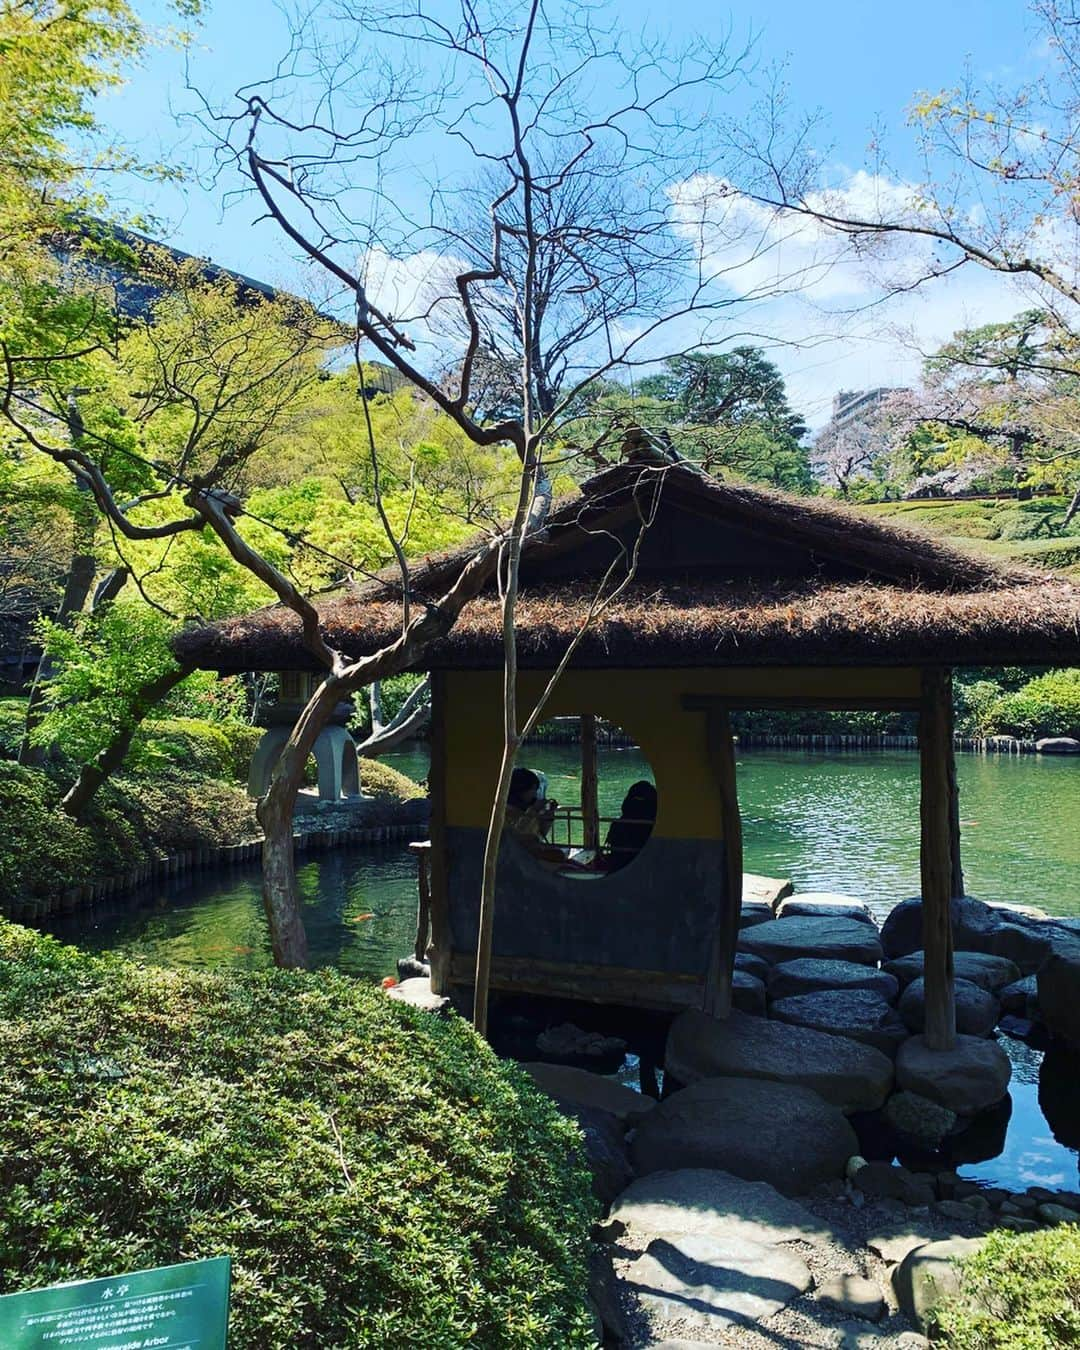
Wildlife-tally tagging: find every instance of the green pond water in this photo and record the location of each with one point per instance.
(839, 822)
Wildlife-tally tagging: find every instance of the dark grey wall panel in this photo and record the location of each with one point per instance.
(658, 913)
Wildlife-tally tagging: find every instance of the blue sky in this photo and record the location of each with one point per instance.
(860, 63)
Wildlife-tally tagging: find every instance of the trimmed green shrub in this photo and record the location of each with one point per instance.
(43, 851)
(218, 749)
(1021, 1291)
(378, 1176)
(387, 785)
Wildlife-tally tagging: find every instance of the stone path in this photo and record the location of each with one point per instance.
(705, 1258)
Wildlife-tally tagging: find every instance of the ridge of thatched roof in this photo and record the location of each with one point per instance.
(868, 593)
(829, 528)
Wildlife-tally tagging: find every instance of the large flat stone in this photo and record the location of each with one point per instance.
(711, 1203)
(416, 992)
(709, 1282)
(839, 939)
(582, 1088)
(860, 1014)
(982, 968)
(852, 1076)
(764, 890)
(807, 974)
(977, 1010)
(969, 1078)
(779, 1133)
(822, 904)
(854, 1295)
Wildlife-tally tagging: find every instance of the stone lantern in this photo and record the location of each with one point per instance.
(334, 749)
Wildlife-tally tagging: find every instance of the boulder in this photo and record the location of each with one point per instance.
(893, 1244)
(977, 1011)
(604, 1293)
(606, 1154)
(883, 1181)
(709, 1282)
(753, 965)
(754, 912)
(976, 927)
(860, 1014)
(929, 1275)
(822, 904)
(409, 968)
(838, 939)
(988, 972)
(1058, 745)
(850, 1075)
(747, 993)
(572, 1045)
(709, 1203)
(853, 1295)
(579, 1087)
(919, 1118)
(761, 1131)
(808, 974)
(1059, 997)
(970, 1077)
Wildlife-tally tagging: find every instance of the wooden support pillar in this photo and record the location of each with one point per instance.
(957, 870)
(590, 803)
(721, 746)
(422, 849)
(440, 943)
(936, 856)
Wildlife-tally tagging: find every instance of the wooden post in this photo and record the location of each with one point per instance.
(590, 805)
(721, 745)
(439, 958)
(957, 870)
(936, 857)
(422, 849)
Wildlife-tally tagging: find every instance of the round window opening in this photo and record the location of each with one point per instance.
(582, 797)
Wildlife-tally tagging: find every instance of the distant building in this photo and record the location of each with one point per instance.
(856, 405)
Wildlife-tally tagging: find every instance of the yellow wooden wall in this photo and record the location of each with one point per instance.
(647, 704)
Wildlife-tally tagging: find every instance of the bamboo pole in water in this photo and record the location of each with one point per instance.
(590, 801)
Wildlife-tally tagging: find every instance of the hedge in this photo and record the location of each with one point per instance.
(217, 749)
(377, 1175)
(130, 822)
(1018, 1292)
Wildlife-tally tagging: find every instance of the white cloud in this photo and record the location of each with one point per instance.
(843, 312)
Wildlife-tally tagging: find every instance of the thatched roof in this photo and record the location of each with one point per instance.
(727, 575)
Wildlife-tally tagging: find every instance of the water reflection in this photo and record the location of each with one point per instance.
(359, 909)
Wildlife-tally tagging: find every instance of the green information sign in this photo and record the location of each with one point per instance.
(183, 1307)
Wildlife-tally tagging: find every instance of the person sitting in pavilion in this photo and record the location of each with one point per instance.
(631, 831)
(529, 814)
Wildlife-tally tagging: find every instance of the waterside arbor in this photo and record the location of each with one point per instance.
(739, 599)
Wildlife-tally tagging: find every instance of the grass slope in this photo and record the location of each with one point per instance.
(1029, 532)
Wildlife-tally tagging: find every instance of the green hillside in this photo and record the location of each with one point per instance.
(1030, 532)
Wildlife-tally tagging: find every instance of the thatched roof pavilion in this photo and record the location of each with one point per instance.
(727, 575)
(741, 598)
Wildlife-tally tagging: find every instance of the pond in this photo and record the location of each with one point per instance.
(841, 822)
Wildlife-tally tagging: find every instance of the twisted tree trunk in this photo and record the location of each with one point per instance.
(107, 761)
